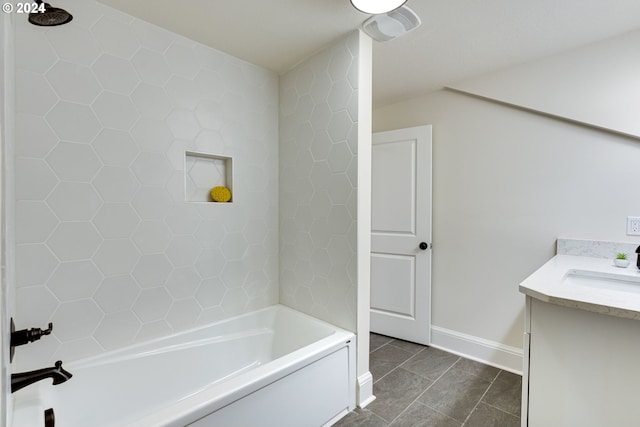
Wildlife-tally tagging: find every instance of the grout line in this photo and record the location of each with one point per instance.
(426, 406)
(481, 397)
(400, 364)
(393, 369)
(501, 410)
(376, 349)
(425, 390)
(433, 383)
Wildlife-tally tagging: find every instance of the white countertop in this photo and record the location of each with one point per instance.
(547, 284)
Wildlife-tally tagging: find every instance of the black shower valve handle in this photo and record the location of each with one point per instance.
(25, 336)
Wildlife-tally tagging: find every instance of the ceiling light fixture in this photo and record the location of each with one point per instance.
(375, 7)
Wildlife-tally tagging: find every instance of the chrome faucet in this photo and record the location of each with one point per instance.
(24, 379)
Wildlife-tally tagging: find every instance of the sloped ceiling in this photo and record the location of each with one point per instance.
(458, 39)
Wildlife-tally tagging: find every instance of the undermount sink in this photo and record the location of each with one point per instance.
(602, 280)
(587, 283)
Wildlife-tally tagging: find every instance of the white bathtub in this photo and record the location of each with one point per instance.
(272, 367)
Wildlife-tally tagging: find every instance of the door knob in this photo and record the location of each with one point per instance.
(424, 246)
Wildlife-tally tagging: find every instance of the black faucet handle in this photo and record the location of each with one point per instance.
(638, 250)
(25, 336)
(48, 330)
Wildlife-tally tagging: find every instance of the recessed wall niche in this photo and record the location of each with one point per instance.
(204, 171)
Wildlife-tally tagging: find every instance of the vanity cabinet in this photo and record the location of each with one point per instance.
(581, 368)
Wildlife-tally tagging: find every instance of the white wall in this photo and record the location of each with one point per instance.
(506, 183)
(318, 184)
(325, 181)
(596, 84)
(365, 94)
(107, 247)
(6, 105)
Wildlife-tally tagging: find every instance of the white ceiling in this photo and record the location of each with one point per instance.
(458, 38)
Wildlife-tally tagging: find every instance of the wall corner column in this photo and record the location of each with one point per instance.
(365, 89)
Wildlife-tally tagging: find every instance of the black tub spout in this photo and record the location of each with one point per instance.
(24, 379)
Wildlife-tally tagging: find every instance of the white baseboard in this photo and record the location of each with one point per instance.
(365, 389)
(479, 349)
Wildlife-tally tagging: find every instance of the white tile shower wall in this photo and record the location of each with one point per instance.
(318, 181)
(107, 248)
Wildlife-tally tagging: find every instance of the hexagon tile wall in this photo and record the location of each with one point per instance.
(318, 182)
(106, 246)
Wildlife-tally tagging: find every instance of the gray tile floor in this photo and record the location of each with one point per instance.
(418, 386)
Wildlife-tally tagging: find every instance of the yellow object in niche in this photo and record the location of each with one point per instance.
(220, 194)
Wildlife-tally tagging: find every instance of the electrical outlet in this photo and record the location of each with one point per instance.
(633, 226)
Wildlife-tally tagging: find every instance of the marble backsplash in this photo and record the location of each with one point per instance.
(594, 248)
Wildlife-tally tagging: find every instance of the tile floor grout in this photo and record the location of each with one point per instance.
(480, 400)
(472, 410)
(400, 364)
(425, 390)
(420, 395)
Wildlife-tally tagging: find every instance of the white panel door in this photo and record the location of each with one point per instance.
(401, 234)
